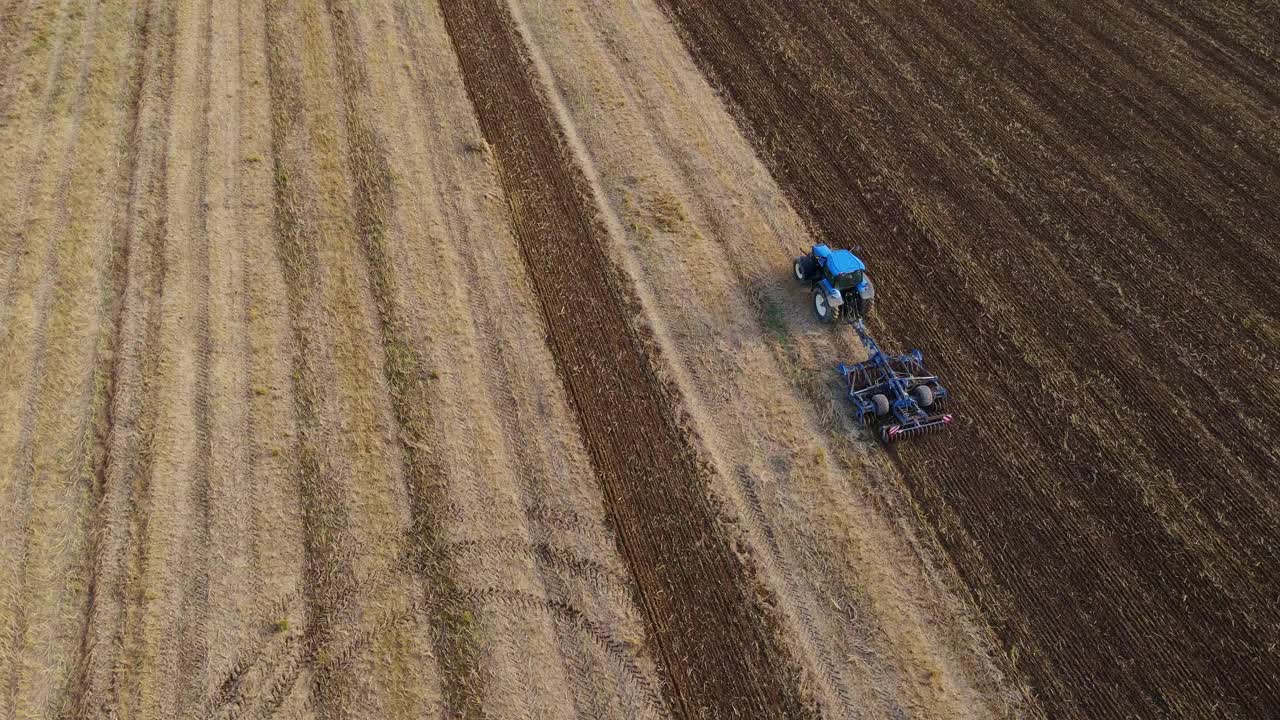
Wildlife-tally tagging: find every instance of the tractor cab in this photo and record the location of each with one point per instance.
(841, 268)
(841, 286)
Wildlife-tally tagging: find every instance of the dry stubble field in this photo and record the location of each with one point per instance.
(404, 359)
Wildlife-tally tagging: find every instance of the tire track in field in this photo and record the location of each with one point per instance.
(14, 18)
(227, 690)
(324, 473)
(29, 236)
(120, 522)
(74, 217)
(123, 466)
(33, 161)
(264, 675)
(116, 279)
(23, 473)
(276, 533)
(617, 651)
(407, 376)
(688, 579)
(192, 660)
(831, 669)
(241, 615)
(169, 623)
(548, 557)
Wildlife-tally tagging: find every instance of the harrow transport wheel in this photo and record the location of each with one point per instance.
(804, 268)
(882, 404)
(821, 308)
(923, 395)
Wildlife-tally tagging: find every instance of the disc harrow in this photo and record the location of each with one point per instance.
(894, 393)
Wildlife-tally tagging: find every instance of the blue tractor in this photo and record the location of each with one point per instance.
(894, 395)
(841, 286)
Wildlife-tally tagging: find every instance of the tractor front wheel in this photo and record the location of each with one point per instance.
(822, 308)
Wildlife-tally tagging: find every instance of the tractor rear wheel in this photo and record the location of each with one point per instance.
(866, 298)
(805, 268)
(822, 308)
(864, 307)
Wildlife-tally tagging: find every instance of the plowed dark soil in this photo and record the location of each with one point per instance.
(1072, 212)
(718, 655)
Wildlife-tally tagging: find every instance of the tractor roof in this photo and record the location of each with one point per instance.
(841, 262)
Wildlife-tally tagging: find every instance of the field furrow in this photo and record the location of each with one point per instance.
(653, 483)
(48, 475)
(498, 389)
(168, 629)
(407, 378)
(229, 578)
(340, 402)
(35, 91)
(118, 521)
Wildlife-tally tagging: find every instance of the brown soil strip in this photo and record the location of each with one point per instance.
(717, 651)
